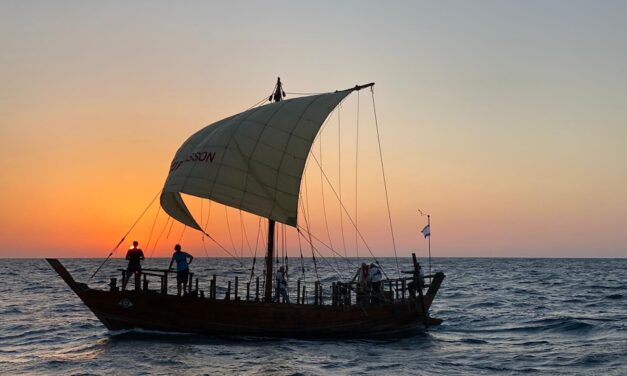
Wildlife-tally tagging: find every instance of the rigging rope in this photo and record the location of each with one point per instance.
(264, 99)
(160, 234)
(324, 207)
(208, 216)
(170, 230)
(299, 228)
(306, 215)
(245, 235)
(313, 248)
(356, 174)
(228, 226)
(152, 228)
(339, 174)
(125, 235)
(224, 249)
(252, 270)
(387, 200)
(349, 216)
(182, 233)
(302, 260)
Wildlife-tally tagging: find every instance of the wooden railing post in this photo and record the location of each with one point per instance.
(403, 286)
(236, 288)
(214, 289)
(137, 281)
(164, 283)
(257, 289)
(189, 283)
(228, 292)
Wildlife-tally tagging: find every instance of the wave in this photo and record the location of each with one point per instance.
(614, 296)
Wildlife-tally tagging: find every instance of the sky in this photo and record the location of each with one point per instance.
(504, 120)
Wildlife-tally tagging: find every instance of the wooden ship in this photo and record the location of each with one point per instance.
(254, 161)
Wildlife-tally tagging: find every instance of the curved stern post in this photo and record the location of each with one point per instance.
(66, 276)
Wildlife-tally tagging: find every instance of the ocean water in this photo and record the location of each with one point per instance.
(502, 316)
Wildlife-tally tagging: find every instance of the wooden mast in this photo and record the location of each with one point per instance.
(276, 96)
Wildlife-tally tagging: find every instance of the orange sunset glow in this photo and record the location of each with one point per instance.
(520, 153)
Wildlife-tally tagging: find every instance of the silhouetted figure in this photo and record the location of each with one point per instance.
(374, 277)
(134, 257)
(281, 286)
(182, 268)
(362, 284)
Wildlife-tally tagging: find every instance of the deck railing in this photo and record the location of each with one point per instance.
(340, 293)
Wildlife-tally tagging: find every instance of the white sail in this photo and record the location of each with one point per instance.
(253, 161)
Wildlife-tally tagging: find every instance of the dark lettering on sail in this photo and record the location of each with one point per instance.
(200, 156)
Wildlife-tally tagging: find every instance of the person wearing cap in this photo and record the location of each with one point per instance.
(182, 268)
(374, 277)
(281, 286)
(134, 257)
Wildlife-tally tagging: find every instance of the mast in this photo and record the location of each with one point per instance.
(276, 96)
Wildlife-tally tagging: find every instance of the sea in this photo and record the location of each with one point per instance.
(502, 316)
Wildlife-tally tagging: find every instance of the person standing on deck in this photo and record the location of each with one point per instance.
(134, 257)
(182, 268)
(281, 286)
(374, 277)
(362, 283)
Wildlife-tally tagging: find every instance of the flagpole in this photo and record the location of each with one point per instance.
(429, 224)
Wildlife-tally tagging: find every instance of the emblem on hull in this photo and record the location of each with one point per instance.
(125, 303)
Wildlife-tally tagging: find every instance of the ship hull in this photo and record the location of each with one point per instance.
(119, 310)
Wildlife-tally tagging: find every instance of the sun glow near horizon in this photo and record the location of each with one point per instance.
(505, 122)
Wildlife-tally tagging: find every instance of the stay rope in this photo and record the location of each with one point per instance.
(339, 174)
(385, 186)
(356, 175)
(324, 207)
(252, 270)
(125, 235)
(306, 215)
(313, 248)
(153, 228)
(349, 216)
(154, 247)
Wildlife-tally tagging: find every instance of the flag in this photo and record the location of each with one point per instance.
(426, 231)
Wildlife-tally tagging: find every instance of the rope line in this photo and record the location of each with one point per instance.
(152, 228)
(385, 186)
(264, 99)
(308, 228)
(182, 233)
(252, 270)
(324, 207)
(356, 174)
(228, 226)
(125, 235)
(349, 217)
(324, 258)
(299, 228)
(167, 221)
(339, 174)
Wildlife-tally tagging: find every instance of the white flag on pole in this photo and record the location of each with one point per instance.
(426, 231)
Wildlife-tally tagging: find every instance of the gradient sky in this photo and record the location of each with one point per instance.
(505, 120)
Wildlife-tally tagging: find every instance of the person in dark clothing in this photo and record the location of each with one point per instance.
(134, 257)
